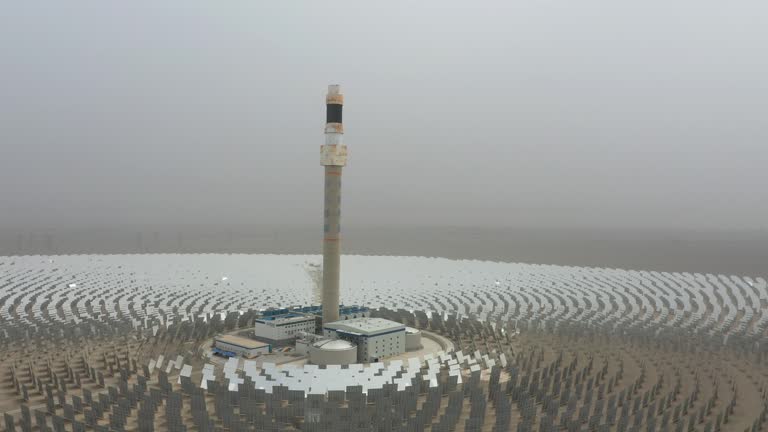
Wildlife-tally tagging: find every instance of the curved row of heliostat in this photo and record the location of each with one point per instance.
(312, 379)
(153, 289)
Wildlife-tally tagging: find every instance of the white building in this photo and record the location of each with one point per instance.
(376, 338)
(241, 346)
(282, 327)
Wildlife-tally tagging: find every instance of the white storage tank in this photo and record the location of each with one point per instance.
(333, 352)
(412, 339)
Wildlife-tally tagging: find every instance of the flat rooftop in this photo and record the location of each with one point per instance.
(240, 341)
(281, 319)
(366, 326)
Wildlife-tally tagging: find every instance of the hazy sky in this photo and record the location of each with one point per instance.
(648, 113)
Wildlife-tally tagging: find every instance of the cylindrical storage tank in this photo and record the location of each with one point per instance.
(412, 339)
(333, 352)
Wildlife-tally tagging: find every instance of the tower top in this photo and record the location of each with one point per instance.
(334, 96)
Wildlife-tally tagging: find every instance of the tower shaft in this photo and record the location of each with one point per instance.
(333, 156)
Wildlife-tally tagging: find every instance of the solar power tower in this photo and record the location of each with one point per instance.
(333, 156)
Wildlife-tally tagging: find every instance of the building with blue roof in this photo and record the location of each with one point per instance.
(288, 323)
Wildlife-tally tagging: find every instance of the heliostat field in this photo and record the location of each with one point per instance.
(99, 342)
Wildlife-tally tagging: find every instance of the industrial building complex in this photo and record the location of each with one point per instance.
(287, 324)
(375, 338)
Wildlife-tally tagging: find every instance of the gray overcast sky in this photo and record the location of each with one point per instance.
(517, 113)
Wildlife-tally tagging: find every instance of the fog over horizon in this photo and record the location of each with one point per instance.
(558, 114)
